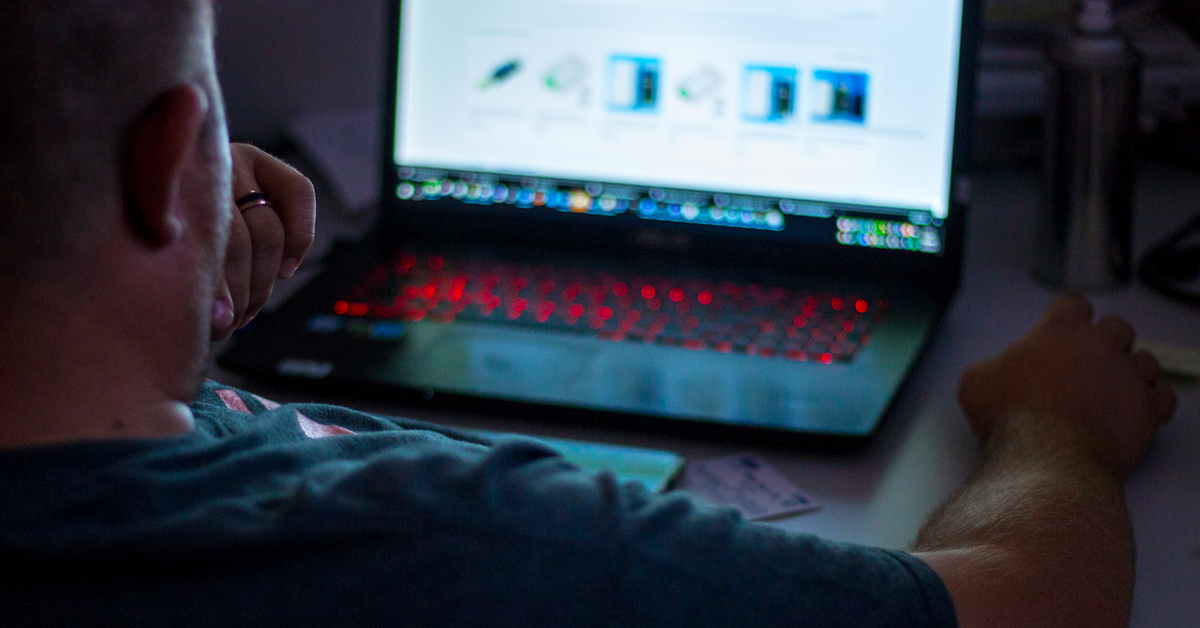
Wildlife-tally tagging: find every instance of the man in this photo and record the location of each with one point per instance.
(121, 504)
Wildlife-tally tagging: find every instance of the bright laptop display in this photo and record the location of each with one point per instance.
(822, 121)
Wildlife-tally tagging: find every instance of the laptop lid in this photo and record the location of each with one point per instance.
(824, 135)
(823, 141)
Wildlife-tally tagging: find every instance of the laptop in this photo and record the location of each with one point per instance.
(721, 216)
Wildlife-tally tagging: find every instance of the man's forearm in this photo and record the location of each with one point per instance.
(1039, 535)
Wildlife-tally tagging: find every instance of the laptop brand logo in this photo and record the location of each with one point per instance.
(661, 240)
(311, 369)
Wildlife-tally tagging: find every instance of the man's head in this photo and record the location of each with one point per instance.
(75, 76)
(114, 185)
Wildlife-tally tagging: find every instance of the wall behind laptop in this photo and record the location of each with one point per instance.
(279, 59)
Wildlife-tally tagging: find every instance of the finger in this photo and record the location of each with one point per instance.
(1116, 332)
(975, 396)
(295, 201)
(1147, 366)
(238, 260)
(1163, 400)
(243, 180)
(1068, 310)
(223, 315)
(266, 243)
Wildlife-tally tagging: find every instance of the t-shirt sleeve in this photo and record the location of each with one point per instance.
(703, 562)
(441, 531)
(719, 566)
(517, 536)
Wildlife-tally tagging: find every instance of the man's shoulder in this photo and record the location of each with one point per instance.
(305, 511)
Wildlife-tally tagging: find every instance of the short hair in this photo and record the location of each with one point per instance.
(74, 76)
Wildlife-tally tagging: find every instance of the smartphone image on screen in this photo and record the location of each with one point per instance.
(633, 84)
(769, 94)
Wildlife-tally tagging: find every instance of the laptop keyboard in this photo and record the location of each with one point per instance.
(770, 322)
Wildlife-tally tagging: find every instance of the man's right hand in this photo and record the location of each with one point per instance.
(1069, 368)
(266, 242)
(1039, 535)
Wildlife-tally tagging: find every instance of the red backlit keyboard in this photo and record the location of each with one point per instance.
(770, 322)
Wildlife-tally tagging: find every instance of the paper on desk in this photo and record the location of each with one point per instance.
(653, 468)
(748, 483)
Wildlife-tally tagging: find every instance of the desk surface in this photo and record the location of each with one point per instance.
(881, 494)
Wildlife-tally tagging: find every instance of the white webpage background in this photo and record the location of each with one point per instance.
(900, 157)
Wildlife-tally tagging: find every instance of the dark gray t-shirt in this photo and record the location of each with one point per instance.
(315, 515)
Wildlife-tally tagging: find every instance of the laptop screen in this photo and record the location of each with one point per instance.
(820, 121)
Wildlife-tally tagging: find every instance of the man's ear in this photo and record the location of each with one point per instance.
(156, 155)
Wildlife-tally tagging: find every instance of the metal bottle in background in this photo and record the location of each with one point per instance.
(1085, 226)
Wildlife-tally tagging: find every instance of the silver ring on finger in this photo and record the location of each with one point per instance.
(251, 200)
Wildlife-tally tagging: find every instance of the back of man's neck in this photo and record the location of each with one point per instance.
(65, 381)
(160, 420)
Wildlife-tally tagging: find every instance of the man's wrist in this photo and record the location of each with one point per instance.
(1043, 433)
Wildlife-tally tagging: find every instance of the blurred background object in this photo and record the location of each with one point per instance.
(1093, 94)
(1178, 136)
(1172, 267)
(282, 60)
(1013, 62)
(1186, 13)
(1028, 11)
(1042, 12)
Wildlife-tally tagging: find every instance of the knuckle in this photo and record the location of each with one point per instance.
(1085, 305)
(239, 231)
(1112, 320)
(1070, 309)
(1149, 362)
(1164, 399)
(1075, 300)
(1117, 328)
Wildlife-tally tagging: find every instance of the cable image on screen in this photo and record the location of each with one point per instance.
(501, 74)
(566, 74)
(699, 85)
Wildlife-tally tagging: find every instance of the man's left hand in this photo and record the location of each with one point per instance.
(267, 241)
